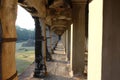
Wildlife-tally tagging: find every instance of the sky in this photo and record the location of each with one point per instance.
(24, 19)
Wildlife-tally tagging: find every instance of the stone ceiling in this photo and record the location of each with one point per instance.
(57, 13)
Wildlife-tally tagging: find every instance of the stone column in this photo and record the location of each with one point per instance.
(39, 64)
(48, 45)
(64, 40)
(78, 36)
(54, 40)
(0, 45)
(51, 41)
(69, 42)
(111, 40)
(71, 51)
(95, 40)
(44, 43)
(66, 45)
(8, 11)
(0, 51)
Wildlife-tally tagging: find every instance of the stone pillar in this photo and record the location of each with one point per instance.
(48, 48)
(69, 42)
(39, 64)
(0, 51)
(66, 45)
(64, 40)
(78, 36)
(44, 43)
(111, 40)
(54, 40)
(95, 40)
(8, 11)
(51, 41)
(71, 50)
(0, 45)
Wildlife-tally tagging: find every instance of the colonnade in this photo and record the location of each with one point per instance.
(103, 46)
(9, 38)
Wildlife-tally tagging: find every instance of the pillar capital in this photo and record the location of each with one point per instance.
(79, 2)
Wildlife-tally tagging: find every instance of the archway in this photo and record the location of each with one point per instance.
(25, 44)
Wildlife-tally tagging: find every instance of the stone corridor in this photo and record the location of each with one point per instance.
(58, 69)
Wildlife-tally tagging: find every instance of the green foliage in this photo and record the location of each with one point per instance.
(24, 34)
(23, 60)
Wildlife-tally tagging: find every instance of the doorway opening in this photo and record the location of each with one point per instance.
(25, 45)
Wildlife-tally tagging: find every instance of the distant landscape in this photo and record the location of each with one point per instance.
(24, 34)
(24, 48)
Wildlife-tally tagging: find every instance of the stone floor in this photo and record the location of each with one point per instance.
(58, 69)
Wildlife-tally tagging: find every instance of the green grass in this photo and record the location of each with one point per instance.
(23, 60)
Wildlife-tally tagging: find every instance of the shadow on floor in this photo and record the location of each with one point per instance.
(58, 61)
(56, 77)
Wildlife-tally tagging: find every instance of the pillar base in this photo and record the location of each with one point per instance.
(64, 52)
(38, 74)
(40, 71)
(52, 51)
(67, 59)
(48, 56)
(71, 73)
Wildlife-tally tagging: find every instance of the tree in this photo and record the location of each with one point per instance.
(24, 34)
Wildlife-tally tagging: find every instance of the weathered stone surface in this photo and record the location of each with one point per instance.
(78, 38)
(57, 70)
(38, 5)
(8, 11)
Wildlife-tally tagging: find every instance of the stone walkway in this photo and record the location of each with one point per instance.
(58, 69)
